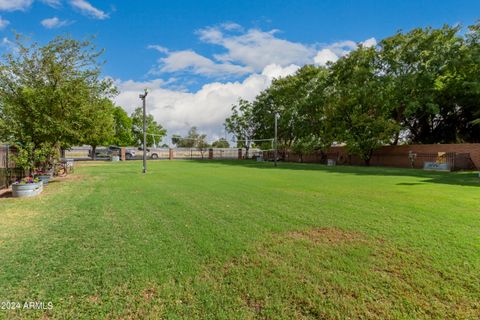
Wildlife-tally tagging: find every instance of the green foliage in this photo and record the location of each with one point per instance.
(30, 157)
(221, 143)
(99, 126)
(362, 118)
(123, 135)
(193, 139)
(155, 131)
(48, 95)
(421, 86)
(243, 124)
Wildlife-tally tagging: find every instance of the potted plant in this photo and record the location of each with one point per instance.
(43, 176)
(27, 187)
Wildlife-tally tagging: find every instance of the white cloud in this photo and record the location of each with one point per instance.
(13, 5)
(188, 60)
(256, 55)
(206, 108)
(158, 48)
(232, 26)
(372, 42)
(3, 23)
(336, 50)
(257, 48)
(324, 56)
(9, 45)
(54, 22)
(86, 8)
(52, 3)
(249, 51)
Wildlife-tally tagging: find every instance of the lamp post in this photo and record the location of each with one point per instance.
(144, 97)
(276, 140)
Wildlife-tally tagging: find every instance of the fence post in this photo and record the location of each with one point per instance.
(240, 154)
(7, 168)
(210, 153)
(123, 153)
(170, 154)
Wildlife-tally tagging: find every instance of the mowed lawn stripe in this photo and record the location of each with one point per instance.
(109, 233)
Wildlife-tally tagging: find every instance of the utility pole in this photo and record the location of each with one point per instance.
(144, 97)
(276, 140)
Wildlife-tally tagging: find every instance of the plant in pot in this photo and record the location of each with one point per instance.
(35, 161)
(27, 187)
(43, 176)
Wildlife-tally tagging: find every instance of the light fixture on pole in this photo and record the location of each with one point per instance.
(144, 97)
(277, 115)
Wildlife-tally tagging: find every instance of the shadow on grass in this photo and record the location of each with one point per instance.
(468, 178)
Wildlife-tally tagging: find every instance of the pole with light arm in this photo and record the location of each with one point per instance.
(276, 139)
(144, 98)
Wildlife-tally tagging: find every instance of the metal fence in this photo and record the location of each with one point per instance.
(84, 153)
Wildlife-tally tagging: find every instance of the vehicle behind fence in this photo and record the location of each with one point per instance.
(8, 172)
(84, 153)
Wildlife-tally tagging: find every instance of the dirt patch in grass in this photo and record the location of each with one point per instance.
(332, 236)
(149, 293)
(329, 273)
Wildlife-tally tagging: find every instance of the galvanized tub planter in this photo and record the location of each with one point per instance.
(23, 190)
(115, 158)
(45, 178)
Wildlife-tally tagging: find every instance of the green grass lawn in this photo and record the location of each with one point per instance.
(225, 240)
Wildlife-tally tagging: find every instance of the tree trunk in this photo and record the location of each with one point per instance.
(94, 152)
(397, 137)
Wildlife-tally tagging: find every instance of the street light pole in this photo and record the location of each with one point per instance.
(276, 140)
(144, 97)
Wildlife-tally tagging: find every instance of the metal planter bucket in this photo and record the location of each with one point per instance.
(45, 178)
(27, 189)
(115, 158)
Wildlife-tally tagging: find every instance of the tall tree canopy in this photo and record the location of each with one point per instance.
(421, 86)
(47, 94)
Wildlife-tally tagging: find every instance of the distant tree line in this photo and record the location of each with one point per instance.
(422, 86)
(197, 140)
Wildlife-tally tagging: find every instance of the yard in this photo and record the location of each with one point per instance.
(244, 240)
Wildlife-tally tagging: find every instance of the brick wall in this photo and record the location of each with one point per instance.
(397, 156)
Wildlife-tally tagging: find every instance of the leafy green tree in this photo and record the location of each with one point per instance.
(301, 101)
(194, 139)
(432, 79)
(155, 131)
(363, 119)
(123, 135)
(46, 94)
(242, 124)
(100, 126)
(221, 143)
(305, 146)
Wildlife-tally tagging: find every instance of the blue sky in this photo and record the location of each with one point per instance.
(198, 57)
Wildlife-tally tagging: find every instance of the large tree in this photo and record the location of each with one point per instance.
(123, 135)
(99, 125)
(47, 93)
(155, 131)
(432, 81)
(242, 124)
(362, 116)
